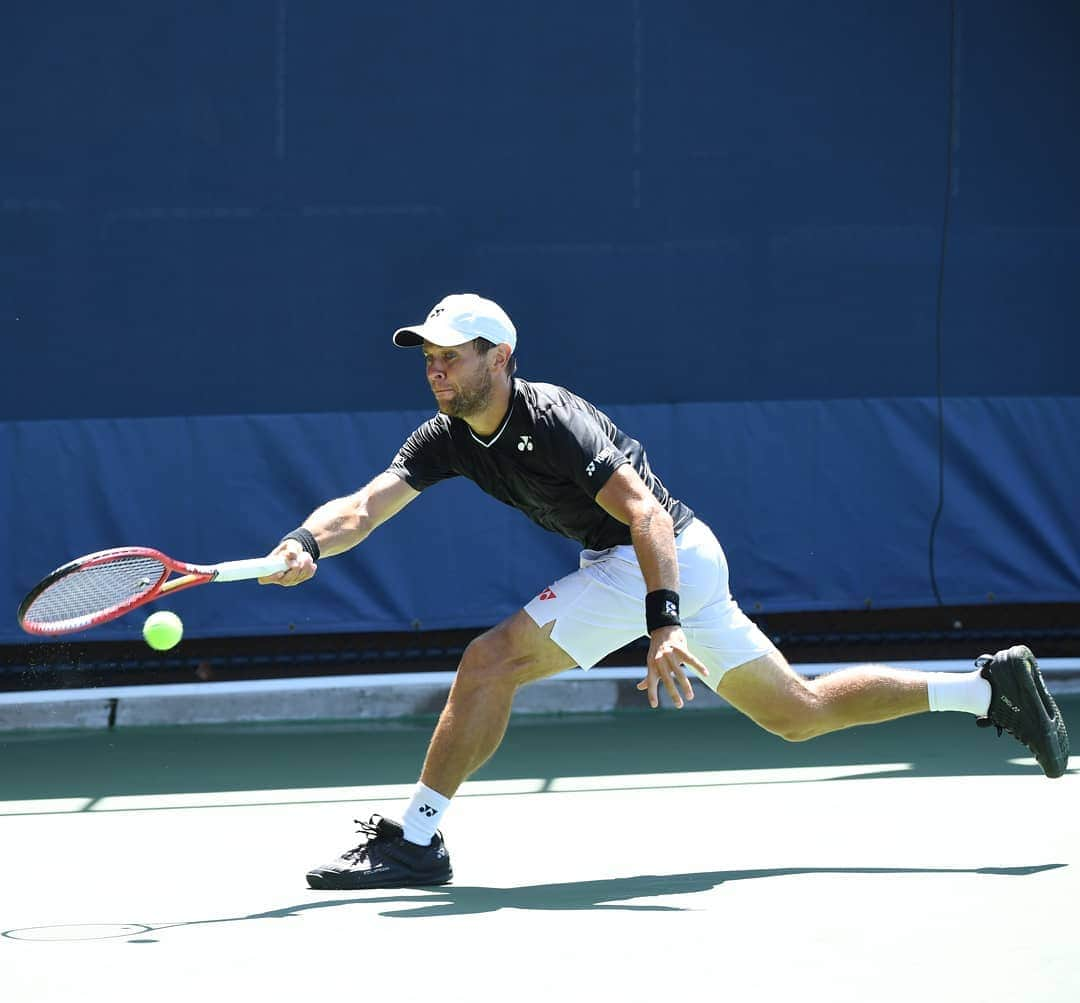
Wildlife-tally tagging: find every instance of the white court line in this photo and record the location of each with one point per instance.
(723, 778)
(307, 795)
(1050, 666)
(474, 788)
(45, 806)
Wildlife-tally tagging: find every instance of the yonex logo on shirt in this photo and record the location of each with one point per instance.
(607, 453)
(565, 434)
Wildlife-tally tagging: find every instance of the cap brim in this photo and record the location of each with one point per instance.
(407, 337)
(410, 337)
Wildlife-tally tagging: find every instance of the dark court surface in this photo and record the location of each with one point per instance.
(627, 855)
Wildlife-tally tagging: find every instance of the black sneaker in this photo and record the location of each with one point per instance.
(1021, 705)
(386, 859)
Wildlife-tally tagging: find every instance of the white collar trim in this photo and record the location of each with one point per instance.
(502, 428)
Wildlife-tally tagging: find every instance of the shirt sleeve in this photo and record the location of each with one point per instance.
(586, 450)
(426, 457)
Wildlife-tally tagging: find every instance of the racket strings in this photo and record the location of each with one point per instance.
(91, 590)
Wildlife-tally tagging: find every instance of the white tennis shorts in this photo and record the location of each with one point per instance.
(601, 607)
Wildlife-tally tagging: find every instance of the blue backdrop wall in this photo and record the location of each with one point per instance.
(722, 222)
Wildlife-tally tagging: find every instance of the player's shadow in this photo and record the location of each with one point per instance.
(467, 900)
(624, 893)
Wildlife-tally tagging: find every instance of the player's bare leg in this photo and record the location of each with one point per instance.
(477, 711)
(771, 693)
(1005, 690)
(470, 729)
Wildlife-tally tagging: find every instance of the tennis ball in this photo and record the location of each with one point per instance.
(163, 630)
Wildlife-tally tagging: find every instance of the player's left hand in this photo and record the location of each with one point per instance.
(668, 654)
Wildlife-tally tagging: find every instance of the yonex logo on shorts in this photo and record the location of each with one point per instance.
(525, 443)
(548, 593)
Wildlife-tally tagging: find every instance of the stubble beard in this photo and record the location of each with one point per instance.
(467, 402)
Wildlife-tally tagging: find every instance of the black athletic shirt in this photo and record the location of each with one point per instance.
(550, 456)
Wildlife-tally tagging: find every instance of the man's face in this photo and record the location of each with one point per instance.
(459, 377)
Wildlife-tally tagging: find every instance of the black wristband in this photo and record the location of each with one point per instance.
(306, 539)
(662, 609)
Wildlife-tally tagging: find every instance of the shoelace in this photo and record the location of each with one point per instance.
(369, 830)
(985, 722)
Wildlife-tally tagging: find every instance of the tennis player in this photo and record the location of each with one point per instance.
(648, 566)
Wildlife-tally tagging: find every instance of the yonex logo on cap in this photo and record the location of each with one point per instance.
(460, 318)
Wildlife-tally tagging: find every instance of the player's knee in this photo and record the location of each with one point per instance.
(798, 731)
(795, 721)
(485, 662)
(476, 662)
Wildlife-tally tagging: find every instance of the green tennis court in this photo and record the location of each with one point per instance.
(627, 856)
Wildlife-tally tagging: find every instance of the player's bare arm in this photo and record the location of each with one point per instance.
(341, 524)
(626, 498)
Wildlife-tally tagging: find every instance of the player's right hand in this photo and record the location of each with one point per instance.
(301, 566)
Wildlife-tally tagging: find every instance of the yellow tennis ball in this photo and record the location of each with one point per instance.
(163, 630)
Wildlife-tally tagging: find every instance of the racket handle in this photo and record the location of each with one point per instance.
(260, 567)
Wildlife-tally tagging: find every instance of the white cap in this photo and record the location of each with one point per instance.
(457, 319)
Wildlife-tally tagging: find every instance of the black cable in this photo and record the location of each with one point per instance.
(950, 142)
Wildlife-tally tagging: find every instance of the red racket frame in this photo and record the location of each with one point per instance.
(190, 575)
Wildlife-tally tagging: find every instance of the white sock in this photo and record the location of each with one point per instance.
(963, 691)
(423, 815)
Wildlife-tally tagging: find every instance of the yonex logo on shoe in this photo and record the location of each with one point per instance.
(426, 809)
(1008, 703)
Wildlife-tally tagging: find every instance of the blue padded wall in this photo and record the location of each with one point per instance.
(722, 220)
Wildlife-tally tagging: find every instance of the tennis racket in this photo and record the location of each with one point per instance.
(100, 587)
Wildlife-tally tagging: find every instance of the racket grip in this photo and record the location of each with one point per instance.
(260, 567)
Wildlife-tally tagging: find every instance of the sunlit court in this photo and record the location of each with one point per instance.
(625, 854)
(540, 501)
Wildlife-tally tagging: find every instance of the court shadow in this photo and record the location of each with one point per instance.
(468, 900)
(625, 893)
(91, 765)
